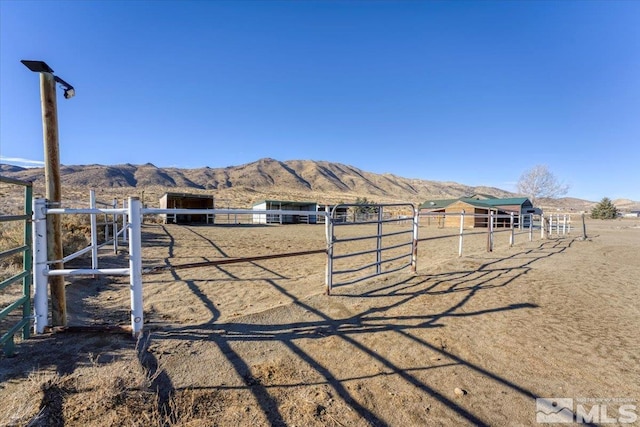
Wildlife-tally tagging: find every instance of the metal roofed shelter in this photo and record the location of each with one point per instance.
(481, 196)
(307, 211)
(187, 201)
(479, 206)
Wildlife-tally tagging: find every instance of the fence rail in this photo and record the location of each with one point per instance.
(513, 224)
(380, 243)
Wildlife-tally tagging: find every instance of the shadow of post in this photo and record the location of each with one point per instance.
(487, 276)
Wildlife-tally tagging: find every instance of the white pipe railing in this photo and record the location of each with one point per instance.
(491, 221)
(88, 271)
(134, 213)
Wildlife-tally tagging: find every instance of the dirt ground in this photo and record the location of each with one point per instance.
(465, 341)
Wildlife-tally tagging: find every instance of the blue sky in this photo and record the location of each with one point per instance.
(475, 92)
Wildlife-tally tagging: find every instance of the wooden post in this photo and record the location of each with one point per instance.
(53, 195)
(584, 228)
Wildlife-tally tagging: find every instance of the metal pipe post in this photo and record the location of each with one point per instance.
(124, 222)
(414, 247)
(328, 227)
(27, 258)
(40, 266)
(135, 265)
(379, 243)
(115, 227)
(461, 233)
(490, 231)
(94, 230)
(512, 236)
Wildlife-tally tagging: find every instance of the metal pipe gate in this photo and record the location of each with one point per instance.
(376, 216)
(24, 301)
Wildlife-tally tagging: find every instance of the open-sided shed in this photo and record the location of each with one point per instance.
(307, 211)
(187, 201)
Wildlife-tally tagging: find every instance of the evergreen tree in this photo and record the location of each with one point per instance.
(604, 210)
(363, 206)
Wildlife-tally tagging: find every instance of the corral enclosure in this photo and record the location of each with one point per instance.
(246, 287)
(259, 343)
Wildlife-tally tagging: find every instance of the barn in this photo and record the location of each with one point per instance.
(187, 201)
(476, 205)
(307, 212)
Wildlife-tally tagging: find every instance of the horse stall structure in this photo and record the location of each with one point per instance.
(445, 212)
(307, 210)
(187, 201)
(340, 212)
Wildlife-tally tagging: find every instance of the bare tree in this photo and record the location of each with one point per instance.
(539, 182)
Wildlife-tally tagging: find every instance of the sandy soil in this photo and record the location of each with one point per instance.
(464, 341)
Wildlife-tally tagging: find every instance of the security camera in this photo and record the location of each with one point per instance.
(69, 91)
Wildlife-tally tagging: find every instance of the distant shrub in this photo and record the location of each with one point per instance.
(11, 236)
(604, 210)
(76, 233)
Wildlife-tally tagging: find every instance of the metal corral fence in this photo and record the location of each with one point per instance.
(395, 240)
(383, 258)
(23, 302)
(493, 224)
(395, 243)
(113, 226)
(133, 214)
(481, 224)
(559, 223)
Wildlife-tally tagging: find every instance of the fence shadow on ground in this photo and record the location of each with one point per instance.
(488, 276)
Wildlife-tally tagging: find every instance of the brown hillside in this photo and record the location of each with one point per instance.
(241, 186)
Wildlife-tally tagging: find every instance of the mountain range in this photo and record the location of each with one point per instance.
(263, 179)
